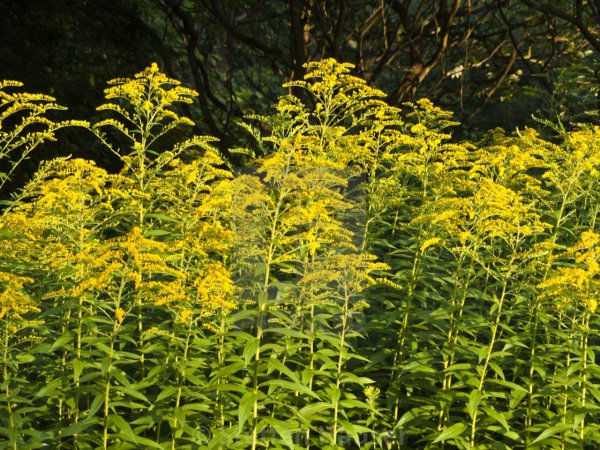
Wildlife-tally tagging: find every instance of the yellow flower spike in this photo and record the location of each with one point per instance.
(592, 304)
(119, 315)
(593, 266)
(386, 281)
(147, 106)
(430, 243)
(372, 393)
(144, 106)
(22, 136)
(14, 302)
(185, 315)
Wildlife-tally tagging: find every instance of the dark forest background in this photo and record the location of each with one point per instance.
(494, 63)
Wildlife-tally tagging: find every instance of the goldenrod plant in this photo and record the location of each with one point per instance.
(364, 280)
(24, 125)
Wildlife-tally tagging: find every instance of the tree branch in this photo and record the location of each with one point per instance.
(576, 19)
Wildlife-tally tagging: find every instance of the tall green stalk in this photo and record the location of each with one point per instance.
(457, 306)
(109, 367)
(584, 371)
(341, 360)
(401, 335)
(262, 300)
(488, 357)
(537, 310)
(13, 432)
(181, 377)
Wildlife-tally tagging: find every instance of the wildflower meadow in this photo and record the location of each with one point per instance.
(356, 279)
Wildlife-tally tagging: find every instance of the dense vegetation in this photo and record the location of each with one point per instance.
(361, 281)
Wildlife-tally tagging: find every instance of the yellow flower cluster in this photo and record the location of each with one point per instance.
(149, 88)
(577, 285)
(14, 301)
(214, 287)
(430, 243)
(120, 315)
(24, 125)
(144, 107)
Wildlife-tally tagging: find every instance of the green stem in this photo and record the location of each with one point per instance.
(63, 372)
(534, 331)
(340, 364)
(180, 381)
(6, 376)
(311, 363)
(583, 382)
(530, 382)
(457, 308)
(221, 361)
(309, 262)
(398, 354)
(107, 385)
(565, 405)
(78, 356)
(488, 357)
(261, 303)
(140, 330)
(107, 390)
(255, 371)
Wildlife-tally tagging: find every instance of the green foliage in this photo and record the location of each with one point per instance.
(573, 97)
(362, 283)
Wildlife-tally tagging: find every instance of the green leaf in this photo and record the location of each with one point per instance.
(181, 417)
(147, 443)
(497, 416)
(290, 386)
(310, 410)
(454, 431)
(198, 407)
(106, 365)
(156, 233)
(250, 349)
(120, 376)
(96, 404)
(62, 341)
(227, 370)
(279, 366)
(49, 389)
(122, 427)
(407, 417)
(245, 409)
(166, 393)
(474, 400)
(348, 377)
(549, 432)
(350, 429)
(262, 298)
(222, 438)
(594, 391)
(283, 430)
(508, 384)
(353, 403)
(496, 368)
(131, 392)
(25, 358)
(78, 366)
(79, 427)
(483, 352)
(287, 332)
(460, 366)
